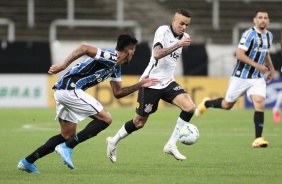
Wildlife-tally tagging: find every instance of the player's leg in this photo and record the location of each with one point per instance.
(91, 130)
(80, 105)
(276, 108)
(258, 102)
(257, 94)
(236, 88)
(182, 100)
(148, 100)
(129, 127)
(27, 163)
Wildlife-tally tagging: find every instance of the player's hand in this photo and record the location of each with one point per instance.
(56, 68)
(270, 76)
(184, 42)
(146, 81)
(262, 68)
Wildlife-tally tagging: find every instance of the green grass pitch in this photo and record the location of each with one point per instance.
(223, 153)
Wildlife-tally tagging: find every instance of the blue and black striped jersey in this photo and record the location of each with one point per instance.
(91, 71)
(256, 46)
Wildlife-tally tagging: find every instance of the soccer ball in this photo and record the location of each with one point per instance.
(188, 134)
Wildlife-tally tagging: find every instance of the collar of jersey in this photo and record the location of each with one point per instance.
(174, 34)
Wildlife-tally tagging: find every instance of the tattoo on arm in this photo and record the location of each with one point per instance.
(162, 52)
(171, 49)
(128, 90)
(74, 55)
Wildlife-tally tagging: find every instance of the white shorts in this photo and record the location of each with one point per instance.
(238, 86)
(75, 105)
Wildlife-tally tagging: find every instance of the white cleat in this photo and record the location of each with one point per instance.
(172, 150)
(111, 150)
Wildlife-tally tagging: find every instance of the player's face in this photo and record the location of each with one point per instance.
(180, 23)
(130, 53)
(261, 20)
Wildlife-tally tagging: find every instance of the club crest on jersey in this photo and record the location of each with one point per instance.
(148, 108)
(107, 55)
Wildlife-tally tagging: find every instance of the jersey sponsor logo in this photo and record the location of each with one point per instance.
(114, 57)
(258, 41)
(148, 108)
(260, 49)
(166, 83)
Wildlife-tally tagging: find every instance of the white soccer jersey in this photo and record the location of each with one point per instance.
(163, 69)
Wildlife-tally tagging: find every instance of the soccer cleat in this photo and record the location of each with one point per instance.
(23, 165)
(276, 116)
(111, 150)
(66, 154)
(201, 107)
(172, 150)
(260, 143)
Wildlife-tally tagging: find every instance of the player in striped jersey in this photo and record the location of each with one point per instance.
(253, 62)
(73, 104)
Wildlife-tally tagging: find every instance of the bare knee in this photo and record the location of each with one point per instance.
(189, 108)
(108, 119)
(139, 121)
(67, 135)
(227, 105)
(104, 116)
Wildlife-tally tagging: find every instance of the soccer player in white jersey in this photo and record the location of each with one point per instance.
(73, 104)
(253, 61)
(167, 47)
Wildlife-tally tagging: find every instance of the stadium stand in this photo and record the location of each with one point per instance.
(149, 13)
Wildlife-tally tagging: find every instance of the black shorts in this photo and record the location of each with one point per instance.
(148, 99)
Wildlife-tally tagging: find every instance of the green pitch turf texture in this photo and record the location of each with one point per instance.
(223, 153)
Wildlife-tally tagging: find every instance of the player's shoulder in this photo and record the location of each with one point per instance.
(112, 51)
(249, 31)
(163, 28)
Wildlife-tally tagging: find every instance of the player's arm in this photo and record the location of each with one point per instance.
(268, 63)
(241, 55)
(120, 91)
(160, 52)
(77, 53)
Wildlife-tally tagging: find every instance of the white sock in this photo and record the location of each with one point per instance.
(122, 133)
(174, 136)
(278, 102)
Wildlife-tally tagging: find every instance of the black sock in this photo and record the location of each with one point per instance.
(214, 103)
(46, 148)
(258, 120)
(186, 116)
(130, 127)
(91, 130)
